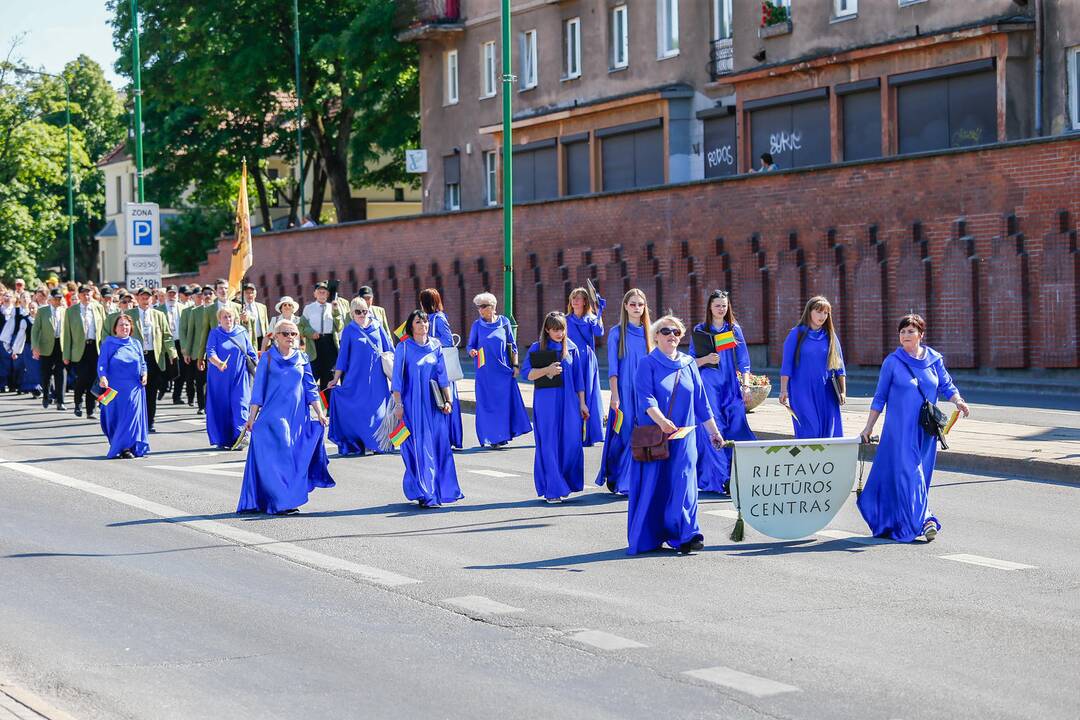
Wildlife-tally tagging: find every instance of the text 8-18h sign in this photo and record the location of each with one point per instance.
(143, 229)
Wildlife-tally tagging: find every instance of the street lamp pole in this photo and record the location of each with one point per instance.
(508, 172)
(136, 69)
(299, 107)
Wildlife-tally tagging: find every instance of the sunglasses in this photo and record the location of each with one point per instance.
(484, 306)
(670, 331)
(287, 334)
(359, 312)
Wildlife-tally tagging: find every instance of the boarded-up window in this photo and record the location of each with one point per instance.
(861, 115)
(576, 157)
(632, 156)
(794, 129)
(535, 171)
(947, 107)
(721, 154)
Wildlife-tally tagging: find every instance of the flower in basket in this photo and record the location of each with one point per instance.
(753, 380)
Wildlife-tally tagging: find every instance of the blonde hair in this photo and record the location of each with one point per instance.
(295, 340)
(228, 311)
(817, 303)
(667, 320)
(485, 298)
(624, 321)
(578, 292)
(359, 303)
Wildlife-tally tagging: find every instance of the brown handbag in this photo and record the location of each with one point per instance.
(649, 443)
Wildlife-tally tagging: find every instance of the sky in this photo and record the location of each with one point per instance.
(54, 32)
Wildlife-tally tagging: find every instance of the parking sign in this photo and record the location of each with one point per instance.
(143, 229)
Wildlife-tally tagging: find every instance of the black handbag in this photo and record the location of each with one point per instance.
(649, 443)
(931, 419)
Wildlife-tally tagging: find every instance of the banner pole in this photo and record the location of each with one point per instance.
(739, 529)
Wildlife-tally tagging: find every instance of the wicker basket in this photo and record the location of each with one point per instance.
(757, 394)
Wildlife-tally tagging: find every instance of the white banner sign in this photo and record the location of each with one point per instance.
(789, 489)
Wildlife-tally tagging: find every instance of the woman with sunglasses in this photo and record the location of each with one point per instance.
(500, 411)
(422, 404)
(431, 303)
(559, 460)
(359, 392)
(718, 371)
(812, 381)
(664, 493)
(627, 344)
(584, 324)
(286, 457)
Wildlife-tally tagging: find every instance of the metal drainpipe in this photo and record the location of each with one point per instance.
(1038, 68)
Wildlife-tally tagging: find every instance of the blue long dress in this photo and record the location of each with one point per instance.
(729, 409)
(583, 332)
(358, 404)
(895, 502)
(664, 494)
(500, 411)
(559, 460)
(228, 391)
(439, 328)
(286, 458)
(430, 473)
(124, 420)
(615, 460)
(810, 388)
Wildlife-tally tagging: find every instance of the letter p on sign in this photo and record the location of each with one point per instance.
(143, 233)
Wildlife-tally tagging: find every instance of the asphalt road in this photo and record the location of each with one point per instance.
(130, 590)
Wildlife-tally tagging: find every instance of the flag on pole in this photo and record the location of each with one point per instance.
(400, 333)
(241, 253)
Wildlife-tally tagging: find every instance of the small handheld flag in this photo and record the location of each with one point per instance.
(107, 397)
(680, 433)
(618, 420)
(952, 421)
(790, 412)
(399, 333)
(400, 434)
(724, 340)
(324, 401)
(480, 360)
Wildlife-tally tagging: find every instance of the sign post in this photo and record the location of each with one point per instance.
(142, 249)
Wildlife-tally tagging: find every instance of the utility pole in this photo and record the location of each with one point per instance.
(299, 108)
(136, 69)
(508, 172)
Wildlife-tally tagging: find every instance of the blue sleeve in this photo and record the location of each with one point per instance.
(840, 352)
(345, 350)
(440, 370)
(142, 358)
(644, 387)
(742, 353)
(884, 383)
(526, 362)
(103, 360)
(212, 344)
(787, 366)
(511, 340)
(474, 337)
(945, 387)
(702, 409)
(250, 348)
(613, 352)
(692, 351)
(397, 383)
(578, 370)
(598, 326)
(310, 388)
(258, 391)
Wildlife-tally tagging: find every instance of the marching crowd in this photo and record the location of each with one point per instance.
(274, 384)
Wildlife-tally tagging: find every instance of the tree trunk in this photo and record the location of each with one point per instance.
(318, 189)
(335, 155)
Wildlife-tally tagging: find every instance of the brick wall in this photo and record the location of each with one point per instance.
(983, 243)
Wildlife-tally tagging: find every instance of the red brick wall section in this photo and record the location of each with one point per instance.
(982, 242)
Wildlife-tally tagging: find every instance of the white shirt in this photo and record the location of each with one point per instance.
(147, 323)
(321, 317)
(174, 317)
(56, 320)
(19, 341)
(253, 312)
(89, 326)
(8, 333)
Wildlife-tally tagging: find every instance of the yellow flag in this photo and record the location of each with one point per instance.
(241, 253)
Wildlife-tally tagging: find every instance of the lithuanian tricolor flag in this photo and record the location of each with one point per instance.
(325, 401)
(107, 397)
(618, 420)
(400, 332)
(680, 433)
(952, 421)
(400, 434)
(724, 340)
(480, 360)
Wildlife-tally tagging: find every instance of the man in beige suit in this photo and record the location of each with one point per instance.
(84, 329)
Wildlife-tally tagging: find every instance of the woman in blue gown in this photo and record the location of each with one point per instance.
(359, 393)
(812, 381)
(419, 369)
(584, 324)
(627, 344)
(664, 493)
(431, 303)
(718, 372)
(500, 411)
(228, 383)
(122, 367)
(558, 412)
(895, 501)
(286, 458)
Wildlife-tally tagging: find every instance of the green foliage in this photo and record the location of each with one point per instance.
(189, 237)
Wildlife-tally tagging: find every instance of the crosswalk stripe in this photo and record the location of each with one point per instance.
(198, 470)
(987, 562)
(479, 605)
(743, 682)
(493, 473)
(605, 641)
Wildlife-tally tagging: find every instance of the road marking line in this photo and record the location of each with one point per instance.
(987, 562)
(244, 538)
(478, 605)
(731, 514)
(198, 469)
(493, 473)
(853, 537)
(743, 682)
(605, 641)
(200, 423)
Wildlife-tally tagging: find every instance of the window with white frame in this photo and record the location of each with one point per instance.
(721, 19)
(529, 60)
(451, 63)
(667, 28)
(491, 178)
(1073, 60)
(489, 85)
(845, 8)
(453, 196)
(620, 37)
(572, 45)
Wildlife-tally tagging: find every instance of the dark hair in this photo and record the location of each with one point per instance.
(554, 320)
(913, 320)
(118, 318)
(430, 300)
(729, 317)
(767, 157)
(413, 317)
(221, 281)
(365, 291)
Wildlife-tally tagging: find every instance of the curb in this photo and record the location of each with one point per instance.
(950, 460)
(25, 704)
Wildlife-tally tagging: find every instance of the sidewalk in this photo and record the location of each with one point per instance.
(1032, 451)
(19, 704)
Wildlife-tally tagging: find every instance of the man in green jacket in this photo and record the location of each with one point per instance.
(173, 307)
(188, 369)
(47, 342)
(84, 329)
(219, 301)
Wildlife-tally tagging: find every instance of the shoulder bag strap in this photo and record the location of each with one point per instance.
(917, 385)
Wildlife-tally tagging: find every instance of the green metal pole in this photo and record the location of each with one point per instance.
(299, 107)
(136, 67)
(508, 172)
(70, 187)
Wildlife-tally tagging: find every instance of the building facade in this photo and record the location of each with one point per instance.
(612, 95)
